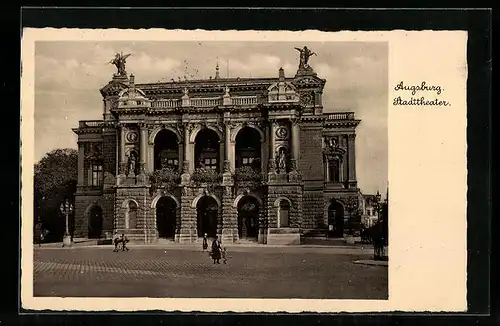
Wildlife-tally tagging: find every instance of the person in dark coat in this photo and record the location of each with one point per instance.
(216, 250)
(205, 242)
(38, 233)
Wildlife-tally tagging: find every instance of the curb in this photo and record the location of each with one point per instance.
(191, 247)
(372, 262)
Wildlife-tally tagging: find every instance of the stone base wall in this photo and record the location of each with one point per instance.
(292, 193)
(283, 236)
(307, 211)
(145, 225)
(313, 210)
(84, 201)
(188, 231)
(229, 217)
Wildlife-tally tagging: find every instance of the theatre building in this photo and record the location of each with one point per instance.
(247, 159)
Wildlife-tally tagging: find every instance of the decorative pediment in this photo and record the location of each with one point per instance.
(334, 152)
(93, 152)
(113, 88)
(282, 92)
(309, 81)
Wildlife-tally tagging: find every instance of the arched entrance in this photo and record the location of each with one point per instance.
(166, 217)
(207, 211)
(335, 219)
(166, 150)
(95, 222)
(248, 218)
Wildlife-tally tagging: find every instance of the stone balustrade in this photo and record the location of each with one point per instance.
(244, 100)
(340, 116)
(206, 102)
(167, 103)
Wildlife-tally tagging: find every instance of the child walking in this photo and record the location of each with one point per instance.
(224, 255)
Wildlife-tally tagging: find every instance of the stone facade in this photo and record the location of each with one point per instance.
(243, 158)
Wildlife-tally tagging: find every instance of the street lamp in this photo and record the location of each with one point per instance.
(66, 208)
(352, 208)
(380, 241)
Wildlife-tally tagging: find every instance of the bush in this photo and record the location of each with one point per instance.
(247, 173)
(165, 177)
(204, 175)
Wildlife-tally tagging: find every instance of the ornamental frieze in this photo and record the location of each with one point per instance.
(281, 133)
(307, 98)
(132, 137)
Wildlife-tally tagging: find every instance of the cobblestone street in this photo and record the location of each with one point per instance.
(253, 272)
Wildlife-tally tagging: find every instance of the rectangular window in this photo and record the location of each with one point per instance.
(247, 161)
(334, 171)
(96, 175)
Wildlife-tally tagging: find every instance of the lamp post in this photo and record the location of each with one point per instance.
(380, 241)
(66, 208)
(352, 207)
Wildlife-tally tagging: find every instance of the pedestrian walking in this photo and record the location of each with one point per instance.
(216, 250)
(224, 255)
(205, 242)
(124, 242)
(116, 241)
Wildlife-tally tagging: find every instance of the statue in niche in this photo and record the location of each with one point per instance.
(281, 160)
(132, 163)
(333, 142)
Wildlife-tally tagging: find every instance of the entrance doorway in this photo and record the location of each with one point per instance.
(207, 211)
(95, 222)
(335, 219)
(248, 218)
(166, 217)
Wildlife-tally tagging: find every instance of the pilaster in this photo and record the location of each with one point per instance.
(351, 156)
(187, 230)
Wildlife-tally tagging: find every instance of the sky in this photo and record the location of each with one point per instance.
(68, 76)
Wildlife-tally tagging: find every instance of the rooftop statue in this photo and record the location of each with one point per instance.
(119, 61)
(305, 54)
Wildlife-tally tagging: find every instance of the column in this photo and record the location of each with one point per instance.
(295, 142)
(351, 157)
(81, 163)
(228, 140)
(271, 164)
(123, 160)
(222, 155)
(341, 171)
(143, 149)
(188, 161)
(227, 149)
(327, 170)
(180, 146)
(272, 130)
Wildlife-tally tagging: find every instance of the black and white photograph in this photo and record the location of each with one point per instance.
(211, 169)
(169, 169)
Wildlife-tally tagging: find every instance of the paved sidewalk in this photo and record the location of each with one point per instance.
(251, 272)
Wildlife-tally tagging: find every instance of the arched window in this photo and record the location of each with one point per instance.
(207, 150)
(131, 215)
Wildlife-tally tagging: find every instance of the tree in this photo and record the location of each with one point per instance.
(54, 181)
